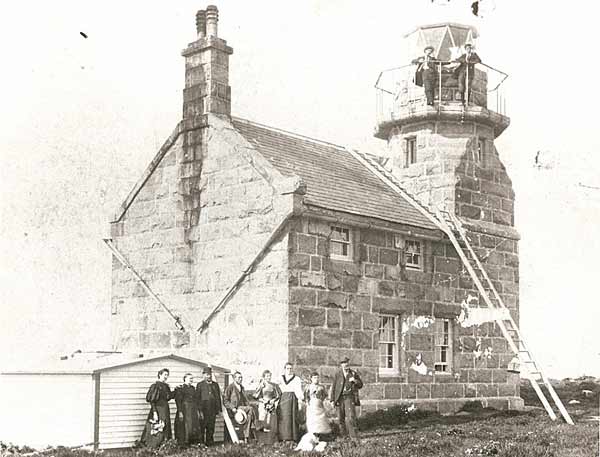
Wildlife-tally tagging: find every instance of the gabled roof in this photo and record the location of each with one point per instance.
(334, 177)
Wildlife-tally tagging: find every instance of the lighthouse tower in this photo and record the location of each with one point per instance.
(445, 154)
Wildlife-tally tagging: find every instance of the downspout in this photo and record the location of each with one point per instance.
(96, 377)
(235, 286)
(121, 258)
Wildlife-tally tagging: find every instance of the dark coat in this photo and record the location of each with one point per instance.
(234, 398)
(337, 386)
(465, 61)
(208, 397)
(419, 62)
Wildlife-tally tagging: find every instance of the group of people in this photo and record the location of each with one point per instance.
(276, 415)
(427, 71)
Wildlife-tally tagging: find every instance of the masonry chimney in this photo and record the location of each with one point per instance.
(207, 87)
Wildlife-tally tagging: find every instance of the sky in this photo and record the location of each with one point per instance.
(80, 118)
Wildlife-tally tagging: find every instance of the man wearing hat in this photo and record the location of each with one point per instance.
(344, 395)
(425, 74)
(466, 70)
(208, 401)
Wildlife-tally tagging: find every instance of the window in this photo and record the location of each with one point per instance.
(413, 254)
(388, 344)
(410, 152)
(340, 243)
(443, 345)
(481, 152)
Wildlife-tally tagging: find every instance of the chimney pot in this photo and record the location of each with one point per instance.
(201, 23)
(212, 20)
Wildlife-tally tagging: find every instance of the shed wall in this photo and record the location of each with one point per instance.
(40, 410)
(123, 407)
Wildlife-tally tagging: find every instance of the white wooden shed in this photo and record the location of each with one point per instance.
(100, 402)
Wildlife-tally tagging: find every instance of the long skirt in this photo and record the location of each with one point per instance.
(287, 415)
(153, 438)
(316, 419)
(187, 427)
(268, 424)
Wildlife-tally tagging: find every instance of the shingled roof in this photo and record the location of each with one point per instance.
(334, 177)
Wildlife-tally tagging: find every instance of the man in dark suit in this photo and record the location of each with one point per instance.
(208, 400)
(426, 73)
(466, 70)
(344, 395)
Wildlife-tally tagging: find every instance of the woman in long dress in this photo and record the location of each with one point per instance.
(268, 395)
(186, 419)
(158, 424)
(287, 412)
(316, 418)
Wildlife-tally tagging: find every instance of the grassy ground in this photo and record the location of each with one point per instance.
(395, 432)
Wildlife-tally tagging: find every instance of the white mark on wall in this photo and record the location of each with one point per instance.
(472, 315)
(480, 353)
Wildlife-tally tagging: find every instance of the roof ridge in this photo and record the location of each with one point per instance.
(294, 134)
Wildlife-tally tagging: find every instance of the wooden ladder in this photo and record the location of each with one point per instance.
(451, 225)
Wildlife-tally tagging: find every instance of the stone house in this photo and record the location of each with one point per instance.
(269, 246)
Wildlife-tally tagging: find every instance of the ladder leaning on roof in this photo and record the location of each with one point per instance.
(451, 224)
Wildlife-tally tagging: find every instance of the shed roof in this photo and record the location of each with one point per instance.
(334, 177)
(100, 363)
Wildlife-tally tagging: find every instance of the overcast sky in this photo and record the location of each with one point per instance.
(81, 118)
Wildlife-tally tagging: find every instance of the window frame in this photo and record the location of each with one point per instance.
(440, 337)
(412, 266)
(395, 344)
(410, 153)
(348, 243)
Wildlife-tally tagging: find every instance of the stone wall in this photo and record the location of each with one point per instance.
(192, 230)
(448, 173)
(335, 307)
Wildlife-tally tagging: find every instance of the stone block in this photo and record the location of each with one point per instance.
(424, 391)
(386, 288)
(308, 356)
(421, 342)
(333, 318)
(409, 391)
(370, 321)
(388, 256)
(312, 279)
(359, 303)
(470, 390)
(499, 376)
(350, 284)
(437, 390)
(351, 320)
(311, 317)
(392, 391)
(487, 390)
(329, 299)
(342, 267)
(373, 254)
(480, 375)
(449, 266)
(332, 338)
(371, 358)
(372, 392)
(303, 296)
(454, 390)
(392, 272)
(299, 261)
(306, 243)
(300, 336)
(373, 237)
(373, 271)
(316, 263)
(362, 340)
(507, 390)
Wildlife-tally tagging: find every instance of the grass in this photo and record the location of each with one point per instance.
(398, 432)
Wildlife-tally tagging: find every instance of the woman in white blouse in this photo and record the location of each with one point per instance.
(291, 397)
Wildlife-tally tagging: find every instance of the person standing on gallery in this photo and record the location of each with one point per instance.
(208, 401)
(466, 71)
(268, 395)
(316, 417)
(239, 409)
(158, 424)
(426, 73)
(186, 419)
(344, 395)
(288, 424)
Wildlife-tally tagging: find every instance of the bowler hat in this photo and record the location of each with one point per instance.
(468, 45)
(345, 360)
(428, 47)
(207, 370)
(240, 416)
